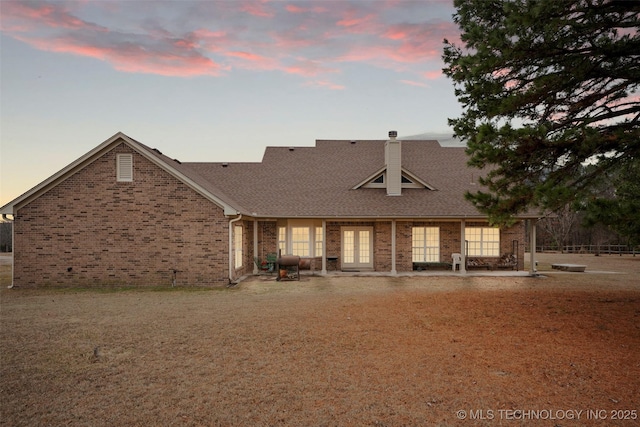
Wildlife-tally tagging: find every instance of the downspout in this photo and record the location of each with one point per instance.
(13, 248)
(231, 254)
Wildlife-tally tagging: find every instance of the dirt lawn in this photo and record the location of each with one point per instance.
(558, 350)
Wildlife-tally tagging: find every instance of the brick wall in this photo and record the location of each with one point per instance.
(93, 231)
(449, 241)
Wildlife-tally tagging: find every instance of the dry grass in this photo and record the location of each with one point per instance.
(328, 351)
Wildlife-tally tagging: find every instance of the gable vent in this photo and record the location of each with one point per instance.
(124, 167)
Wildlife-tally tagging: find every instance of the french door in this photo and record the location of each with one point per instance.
(357, 248)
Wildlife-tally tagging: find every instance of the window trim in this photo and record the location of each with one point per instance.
(483, 243)
(425, 246)
(238, 252)
(314, 230)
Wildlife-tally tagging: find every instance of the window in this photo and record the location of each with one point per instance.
(124, 167)
(425, 246)
(482, 241)
(237, 243)
(300, 241)
(319, 242)
(282, 239)
(301, 237)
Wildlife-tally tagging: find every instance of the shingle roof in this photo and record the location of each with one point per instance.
(318, 181)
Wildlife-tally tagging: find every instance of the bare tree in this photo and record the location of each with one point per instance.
(560, 225)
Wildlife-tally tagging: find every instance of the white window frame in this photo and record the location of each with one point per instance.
(318, 242)
(312, 240)
(355, 253)
(238, 252)
(481, 241)
(301, 241)
(425, 244)
(282, 240)
(124, 167)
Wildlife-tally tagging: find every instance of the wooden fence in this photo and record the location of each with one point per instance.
(593, 249)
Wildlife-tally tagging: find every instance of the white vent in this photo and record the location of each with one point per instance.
(124, 167)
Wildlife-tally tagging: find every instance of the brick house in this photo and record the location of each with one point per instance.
(127, 214)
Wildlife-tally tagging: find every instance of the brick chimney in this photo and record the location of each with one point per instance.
(393, 162)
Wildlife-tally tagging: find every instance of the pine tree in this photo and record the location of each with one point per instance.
(547, 87)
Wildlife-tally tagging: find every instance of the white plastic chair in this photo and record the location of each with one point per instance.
(457, 260)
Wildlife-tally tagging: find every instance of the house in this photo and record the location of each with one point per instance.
(126, 213)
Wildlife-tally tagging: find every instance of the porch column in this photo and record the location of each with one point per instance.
(532, 243)
(463, 248)
(393, 247)
(324, 246)
(255, 246)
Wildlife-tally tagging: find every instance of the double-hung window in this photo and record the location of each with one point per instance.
(482, 241)
(237, 245)
(300, 241)
(425, 244)
(302, 238)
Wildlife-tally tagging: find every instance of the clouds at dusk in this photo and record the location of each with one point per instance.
(307, 40)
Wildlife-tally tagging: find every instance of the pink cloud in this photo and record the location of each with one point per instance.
(357, 24)
(32, 15)
(253, 61)
(134, 58)
(325, 84)
(297, 9)
(256, 9)
(433, 75)
(412, 83)
(308, 68)
(307, 39)
(247, 55)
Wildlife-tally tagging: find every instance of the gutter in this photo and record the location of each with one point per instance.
(231, 246)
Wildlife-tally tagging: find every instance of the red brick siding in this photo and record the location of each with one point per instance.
(450, 236)
(91, 230)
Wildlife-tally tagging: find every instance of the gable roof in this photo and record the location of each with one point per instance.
(171, 166)
(324, 181)
(321, 181)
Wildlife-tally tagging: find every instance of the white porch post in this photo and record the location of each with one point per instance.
(324, 246)
(463, 249)
(533, 270)
(255, 246)
(393, 247)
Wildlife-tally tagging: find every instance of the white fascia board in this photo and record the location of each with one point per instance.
(369, 178)
(13, 206)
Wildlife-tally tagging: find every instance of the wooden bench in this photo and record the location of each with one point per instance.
(569, 267)
(477, 263)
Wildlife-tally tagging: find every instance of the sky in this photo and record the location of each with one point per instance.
(213, 80)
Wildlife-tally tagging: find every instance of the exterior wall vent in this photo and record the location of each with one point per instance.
(124, 167)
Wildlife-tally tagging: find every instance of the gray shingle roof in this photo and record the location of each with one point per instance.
(318, 181)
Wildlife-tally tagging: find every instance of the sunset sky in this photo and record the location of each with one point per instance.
(214, 80)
